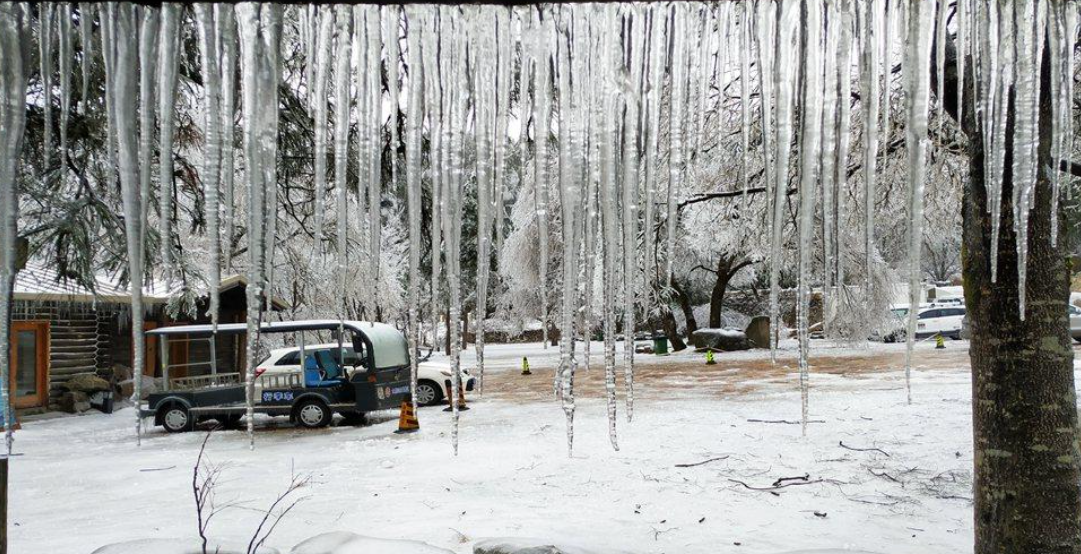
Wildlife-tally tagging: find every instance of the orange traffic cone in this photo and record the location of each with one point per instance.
(407, 420)
(461, 400)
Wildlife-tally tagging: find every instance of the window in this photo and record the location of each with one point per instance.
(291, 358)
(931, 314)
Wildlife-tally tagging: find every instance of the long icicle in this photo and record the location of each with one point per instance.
(208, 53)
(86, 44)
(14, 33)
(542, 112)
(124, 87)
(917, 92)
(228, 47)
(870, 98)
(787, 34)
(414, 120)
(148, 52)
(484, 101)
(810, 156)
(168, 65)
(319, 122)
(63, 29)
(343, 30)
(45, 59)
(635, 56)
(676, 158)
(608, 134)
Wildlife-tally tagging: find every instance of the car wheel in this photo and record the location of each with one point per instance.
(428, 393)
(177, 419)
(312, 414)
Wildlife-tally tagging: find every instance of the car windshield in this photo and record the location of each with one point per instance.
(900, 312)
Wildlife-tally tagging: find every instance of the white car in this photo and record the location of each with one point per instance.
(433, 378)
(945, 320)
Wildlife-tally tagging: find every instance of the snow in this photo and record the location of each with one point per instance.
(506, 482)
(176, 546)
(340, 542)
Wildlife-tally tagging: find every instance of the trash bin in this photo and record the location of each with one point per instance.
(660, 344)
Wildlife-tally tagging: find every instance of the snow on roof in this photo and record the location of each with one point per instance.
(41, 282)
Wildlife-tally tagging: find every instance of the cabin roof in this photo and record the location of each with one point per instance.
(42, 283)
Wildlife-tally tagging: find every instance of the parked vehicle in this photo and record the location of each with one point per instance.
(931, 321)
(375, 379)
(433, 378)
(1075, 323)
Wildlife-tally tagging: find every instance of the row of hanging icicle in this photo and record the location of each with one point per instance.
(577, 91)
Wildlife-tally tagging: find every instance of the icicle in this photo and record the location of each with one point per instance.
(940, 55)
(14, 33)
(168, 64)
(605, 112)
(148, 52)
(844, 122)
(1071, 33)
(766, 25)
(342, 99)
(124, 89)
(869, 95)
(259, 30)
(569, 193)
(885, 13)
(784, 78)
(86, 42)
(228, 46)
(45, 55)
(704, 76)
(319, 121)
(272, 18)
(542, 110)
(504, 63)
(310, 37)
(432, 92)
(208, 55)
(676, 160)
(453, 81)
(1005, 81)
(632, 94)
(1026, 133)
(390, 40)
(829, 135)
(657, 45)
(962, 48)
(374, 129)
(484, 47)
(66, 54)
(917, 78)
(417, 19)
(810, 156)
(745, 92)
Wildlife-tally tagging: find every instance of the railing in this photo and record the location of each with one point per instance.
(205, 381)
(291, 380)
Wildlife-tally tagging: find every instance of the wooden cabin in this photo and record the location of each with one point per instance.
(61, 330)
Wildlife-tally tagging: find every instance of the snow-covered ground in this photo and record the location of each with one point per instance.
(900, 483)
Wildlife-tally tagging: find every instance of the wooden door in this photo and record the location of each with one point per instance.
(151, 361)
(30, 362)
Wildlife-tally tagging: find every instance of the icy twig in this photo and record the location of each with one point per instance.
(703, 462)
(843, 445)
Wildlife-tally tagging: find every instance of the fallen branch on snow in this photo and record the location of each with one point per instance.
(703, 462)
(784, 421)
(843, 445)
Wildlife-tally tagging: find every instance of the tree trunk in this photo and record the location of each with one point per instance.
(1024, 408)
(727, 268)
(685, 306)
(668, 323)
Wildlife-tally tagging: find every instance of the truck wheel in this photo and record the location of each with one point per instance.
(312, 414)
(428, 393)
(177, 419)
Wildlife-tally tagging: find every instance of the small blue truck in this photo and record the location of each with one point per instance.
(379, 378)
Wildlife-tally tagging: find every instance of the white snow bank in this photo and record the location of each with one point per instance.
(510, 545)
(343, 542)
(176, 546)
(828, 551)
